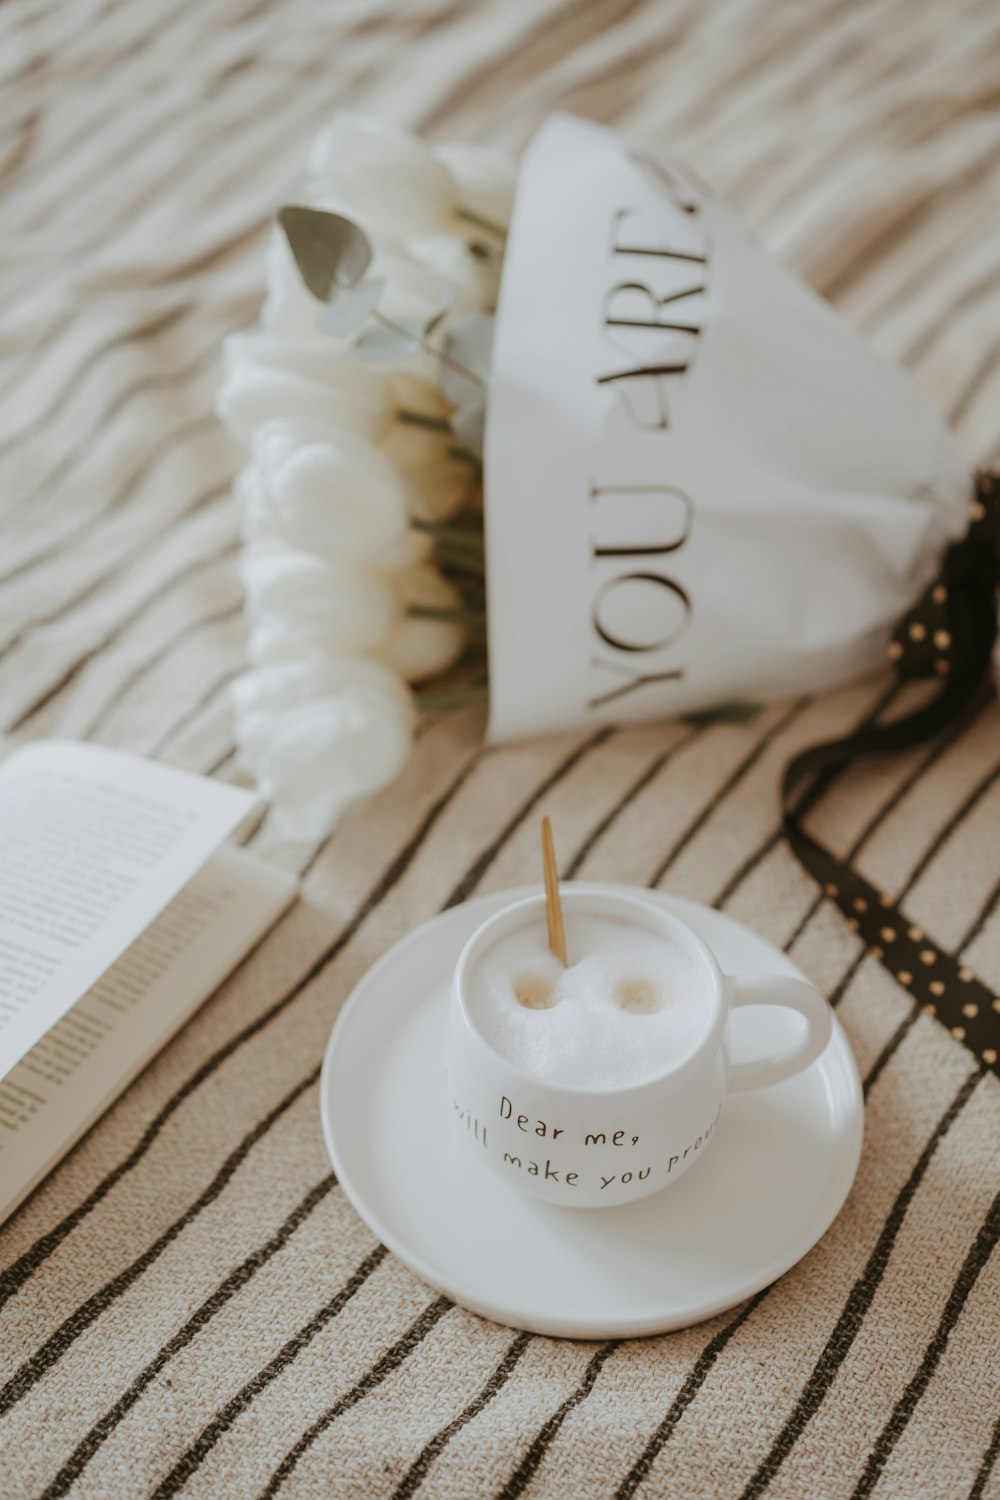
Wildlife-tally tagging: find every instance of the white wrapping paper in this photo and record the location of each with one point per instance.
(700, 486)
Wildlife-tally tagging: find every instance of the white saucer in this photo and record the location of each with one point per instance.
(776, 1176)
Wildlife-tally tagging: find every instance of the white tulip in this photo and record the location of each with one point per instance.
(408, 550)
(320, 735)
(337, 495)
(354, 606)
(257, 522)
(475, 280)
(277, 639)
(303, 379)
(485, 180)
(387, 179)
(346, 453)
(418, 649)
(413, 293)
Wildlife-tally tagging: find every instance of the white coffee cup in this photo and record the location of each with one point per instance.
(589, 1147)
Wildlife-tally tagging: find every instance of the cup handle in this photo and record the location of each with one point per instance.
(793, 994)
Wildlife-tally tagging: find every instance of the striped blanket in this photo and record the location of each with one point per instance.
(190, 1307)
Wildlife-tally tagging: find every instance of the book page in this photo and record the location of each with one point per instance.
(74, 1072)
(93, 844)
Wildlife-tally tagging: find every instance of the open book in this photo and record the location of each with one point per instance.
(121, 910)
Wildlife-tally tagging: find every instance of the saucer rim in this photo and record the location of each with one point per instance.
(458, 1290)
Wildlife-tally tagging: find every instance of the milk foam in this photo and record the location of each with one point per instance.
(584, 1038)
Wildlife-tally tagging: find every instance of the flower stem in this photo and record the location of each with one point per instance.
(468, 537)
(472, 619)
(446, 359)
(436, 702)
(481, 223)
(464, 456)
(422, 419)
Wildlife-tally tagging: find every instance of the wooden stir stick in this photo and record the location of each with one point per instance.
(553, 905)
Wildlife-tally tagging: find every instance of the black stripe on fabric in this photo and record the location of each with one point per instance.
(986, 1467)
(903, 291)
(59, 1342)
(977, 381)
(982, 786)
(821, 785)
(163, 653)
(735, 777)
(127, 683)
(206, 422)
(155, 380)
(899, 792)
(983, 915)
(891, 1047)
(970, 294)
(25, 134)
(36, 425)
(848, 1325)
(96, 581)
(189, 569)
(41, 60)
(229, 128)
(232, 127)
(819, 788)
(417, 1472)
(475, 873)
(692, 1385)
(878, 244)
(213, 770)
(222, 250)
(41, 345)
(979, 1253)
(380, 1370)
(191, 714)
(525, 1471)
(639, 785)
(140, 136)
(30, 1261)
(233, 1283)
(511, 47)
(187, 1465)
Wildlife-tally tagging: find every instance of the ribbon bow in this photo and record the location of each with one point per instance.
(949, 636)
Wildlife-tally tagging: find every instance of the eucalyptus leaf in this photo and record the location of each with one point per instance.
(388, 342)
(330, 251)
(350, 309)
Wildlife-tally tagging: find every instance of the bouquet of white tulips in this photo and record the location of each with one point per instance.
(360, 400)
(700, 489)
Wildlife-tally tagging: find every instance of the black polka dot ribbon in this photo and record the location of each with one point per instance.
(947, 636)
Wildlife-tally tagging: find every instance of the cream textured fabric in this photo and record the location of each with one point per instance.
(190, 1306)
